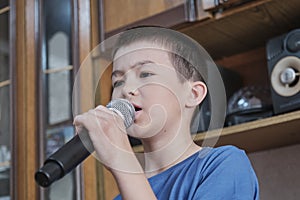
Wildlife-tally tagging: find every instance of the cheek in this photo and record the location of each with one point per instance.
(165, 97)
(116, 93)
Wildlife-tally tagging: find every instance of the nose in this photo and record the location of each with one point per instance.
(130, 89)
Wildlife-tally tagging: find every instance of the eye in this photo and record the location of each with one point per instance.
(145, 74)
(118, 83)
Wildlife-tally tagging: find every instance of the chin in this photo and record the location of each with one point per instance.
(142, 132)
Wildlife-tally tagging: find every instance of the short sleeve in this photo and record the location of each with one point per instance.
(229, 175)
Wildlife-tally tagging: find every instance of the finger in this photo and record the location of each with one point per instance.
(108, 113)
(105, 110)
(78, 120)
(85, 119)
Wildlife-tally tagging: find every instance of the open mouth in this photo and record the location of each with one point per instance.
(137, 108)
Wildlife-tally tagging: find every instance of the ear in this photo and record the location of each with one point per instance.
(197, 93)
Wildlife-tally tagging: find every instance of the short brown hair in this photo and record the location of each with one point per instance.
(186, 55)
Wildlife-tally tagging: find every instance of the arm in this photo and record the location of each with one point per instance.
(133, 186)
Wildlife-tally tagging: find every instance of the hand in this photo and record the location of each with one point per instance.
(108, 135)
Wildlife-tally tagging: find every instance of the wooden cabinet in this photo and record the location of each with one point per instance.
(236, 39)
(119, 13)
(123, 14)
(26, 58)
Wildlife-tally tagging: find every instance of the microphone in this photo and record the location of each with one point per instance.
(78, 148)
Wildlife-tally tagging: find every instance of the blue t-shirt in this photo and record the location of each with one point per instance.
(210, 174)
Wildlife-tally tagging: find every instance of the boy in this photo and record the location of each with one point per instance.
(162, 72)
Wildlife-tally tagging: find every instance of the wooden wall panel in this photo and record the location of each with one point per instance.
(122, 12)
(251, 66)
(26, 100)
(86, 80)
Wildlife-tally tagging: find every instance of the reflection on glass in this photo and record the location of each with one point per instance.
(58, 81)
(4, 47)
(5, 155)
(4, 116)
(58, 50)
(5, 132)
(59, 107)
(58, 56)
(57, 137)
(64, 188)
(59, 97)
(3, 3)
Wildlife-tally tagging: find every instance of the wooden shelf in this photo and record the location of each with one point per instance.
(258, 135)
(263, 134)
(245, 27)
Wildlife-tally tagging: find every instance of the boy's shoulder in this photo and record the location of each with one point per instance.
(222, 151)
(208, 159)
(223, 156)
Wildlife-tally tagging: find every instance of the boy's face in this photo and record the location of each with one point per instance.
(144, 75)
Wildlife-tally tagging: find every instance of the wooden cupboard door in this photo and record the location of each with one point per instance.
(119, 13)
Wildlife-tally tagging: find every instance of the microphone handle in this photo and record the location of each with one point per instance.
(65, 159)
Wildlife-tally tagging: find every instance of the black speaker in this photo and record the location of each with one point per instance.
(283, 55)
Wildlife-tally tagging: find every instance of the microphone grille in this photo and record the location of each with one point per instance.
(124, 109)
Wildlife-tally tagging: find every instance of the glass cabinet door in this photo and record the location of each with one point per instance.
(37, 55)
(5, 106)
(57, 81)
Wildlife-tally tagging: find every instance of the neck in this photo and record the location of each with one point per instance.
(167, 149)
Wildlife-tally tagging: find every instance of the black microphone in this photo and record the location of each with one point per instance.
(78, 148)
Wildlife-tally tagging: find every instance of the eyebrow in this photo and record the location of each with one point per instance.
(121, 73)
